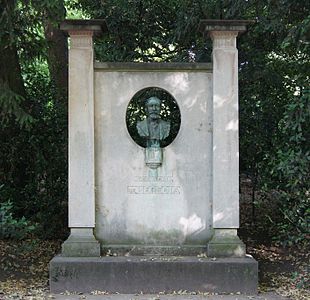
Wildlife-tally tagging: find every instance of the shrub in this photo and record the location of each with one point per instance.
(11, 227)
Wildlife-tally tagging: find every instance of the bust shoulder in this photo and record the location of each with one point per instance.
(164, 129)
(142, 128)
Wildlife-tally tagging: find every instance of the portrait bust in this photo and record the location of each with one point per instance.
(153, 128)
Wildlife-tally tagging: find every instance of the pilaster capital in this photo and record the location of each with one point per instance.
(81, 39)
(225, 26)
(223, 32)
(224, 39)
(84, 27)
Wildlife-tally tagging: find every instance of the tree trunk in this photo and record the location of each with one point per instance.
(10, 71)
(57, 52)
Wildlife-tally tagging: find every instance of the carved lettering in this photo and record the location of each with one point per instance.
(157, 190)
(65, 272)
(168, 179)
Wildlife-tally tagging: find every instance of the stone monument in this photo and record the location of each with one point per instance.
(153, 172)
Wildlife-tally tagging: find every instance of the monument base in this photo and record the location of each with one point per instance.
(146, 274)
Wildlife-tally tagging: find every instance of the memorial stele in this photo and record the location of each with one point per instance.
(162, 216)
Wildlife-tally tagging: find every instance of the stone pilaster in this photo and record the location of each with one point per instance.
(225, 140)
(81, 241)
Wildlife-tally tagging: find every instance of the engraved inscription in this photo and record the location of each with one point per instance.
(168, 179)
(149, 185)
(144, 189)
(65, 272)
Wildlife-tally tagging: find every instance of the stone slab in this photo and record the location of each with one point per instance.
(152, 66)
(153, 274)
(97, 25)
(134, 207)
(224, 25)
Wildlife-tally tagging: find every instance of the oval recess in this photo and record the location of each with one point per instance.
(169, 112)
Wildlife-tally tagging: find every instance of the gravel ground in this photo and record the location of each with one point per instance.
(261, 296)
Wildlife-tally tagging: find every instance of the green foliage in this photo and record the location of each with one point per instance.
(33, 161)
(274, 111)
(289, 168)
(149, 30)
(11, 106)
(34, 168)
(11, 227)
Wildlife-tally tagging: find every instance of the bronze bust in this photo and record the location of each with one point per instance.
(153, 128)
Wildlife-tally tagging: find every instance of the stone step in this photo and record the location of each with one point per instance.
(135, 274)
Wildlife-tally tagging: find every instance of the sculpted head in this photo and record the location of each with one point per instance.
(153, 107)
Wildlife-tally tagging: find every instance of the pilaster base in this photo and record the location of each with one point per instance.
(81, 243)
(226, 243)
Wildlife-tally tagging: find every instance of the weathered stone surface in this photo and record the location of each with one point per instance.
(81, 242)
(153, 250)
(225, 132)
(226, 243)
(133, 207)
(153, 275)
(81, 133)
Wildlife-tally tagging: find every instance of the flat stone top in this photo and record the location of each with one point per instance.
(96, 25)
(143, 66)
(224, 25)
(155, 259)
